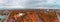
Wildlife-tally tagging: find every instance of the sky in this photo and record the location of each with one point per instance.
(29, 4)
